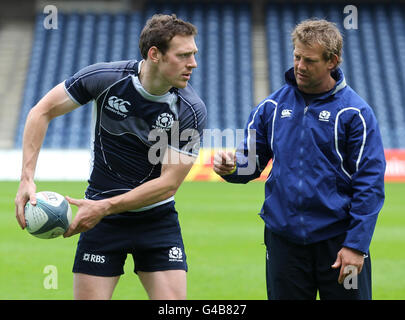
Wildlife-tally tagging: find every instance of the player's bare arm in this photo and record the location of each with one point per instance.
(55, 103)
(175, 168)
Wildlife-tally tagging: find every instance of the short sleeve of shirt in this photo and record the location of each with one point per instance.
(88, 83)
(192, 125)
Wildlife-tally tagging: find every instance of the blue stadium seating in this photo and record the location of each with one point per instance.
(372, 56)
(372, 59)
(212, 58)
(34, 71)
(244, 92)
(374, 76)
(223, 77)
(274, 48)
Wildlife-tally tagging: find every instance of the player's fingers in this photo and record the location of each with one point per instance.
(228, 159)
(224, 162)
(72, 230)
(342, 275)
(346, 270)
(222, 169)
(219, 171)
(78, 225)
(233, 156)
(73, 227)
(75, 230)
(68, 231)
(218, 158)
(19, 211)
(359, 268)
(75, 202)
(33, 199)
(337, 263)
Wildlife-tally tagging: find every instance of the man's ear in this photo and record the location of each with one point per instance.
(154, 55)
(333, 62)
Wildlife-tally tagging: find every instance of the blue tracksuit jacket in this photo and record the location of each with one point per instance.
(328, 164)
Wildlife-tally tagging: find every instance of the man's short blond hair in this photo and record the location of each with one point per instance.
(323, 32)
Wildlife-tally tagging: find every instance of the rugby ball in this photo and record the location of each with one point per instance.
(50, 217)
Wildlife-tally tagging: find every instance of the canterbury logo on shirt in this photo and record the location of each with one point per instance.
(118, 106)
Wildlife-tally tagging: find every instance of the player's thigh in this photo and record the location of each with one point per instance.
(165, 285)
(89, 287)
(289, 269)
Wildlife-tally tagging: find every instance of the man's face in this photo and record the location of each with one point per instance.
(311, 71)
(179, 61)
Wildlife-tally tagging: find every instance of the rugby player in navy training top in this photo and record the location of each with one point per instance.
(147, 128)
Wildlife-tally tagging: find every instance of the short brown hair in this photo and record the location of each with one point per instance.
(160, 29)
(323, 32)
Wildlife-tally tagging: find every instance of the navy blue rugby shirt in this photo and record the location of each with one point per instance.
(132, 128)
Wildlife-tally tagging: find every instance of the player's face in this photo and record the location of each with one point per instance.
(311, 70)
(179, 61)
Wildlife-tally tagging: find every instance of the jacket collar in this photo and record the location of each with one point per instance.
(336, 74)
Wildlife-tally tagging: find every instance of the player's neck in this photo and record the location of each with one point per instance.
(322, 87)
(151, 80)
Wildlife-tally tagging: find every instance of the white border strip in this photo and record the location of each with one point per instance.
(362, 145)
(253, 120)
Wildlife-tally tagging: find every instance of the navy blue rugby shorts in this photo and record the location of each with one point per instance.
(152, 237)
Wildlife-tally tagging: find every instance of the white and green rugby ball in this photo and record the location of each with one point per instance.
(50, 217)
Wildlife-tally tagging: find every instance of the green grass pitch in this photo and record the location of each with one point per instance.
(223, 235)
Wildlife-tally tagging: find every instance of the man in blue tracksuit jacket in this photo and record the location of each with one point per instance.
(326, 186)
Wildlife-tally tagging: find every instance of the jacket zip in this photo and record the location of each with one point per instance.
(300, 174)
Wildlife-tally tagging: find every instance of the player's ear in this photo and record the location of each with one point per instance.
(154, 54)
(333, 61)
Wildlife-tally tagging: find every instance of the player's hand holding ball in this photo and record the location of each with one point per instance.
(25, 193)
(49, 216)
(89, 213)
